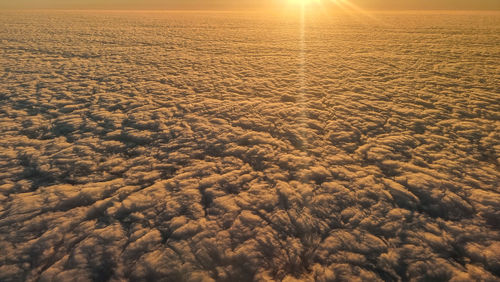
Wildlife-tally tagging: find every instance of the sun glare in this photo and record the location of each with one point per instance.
(303, 2)
(327, 6)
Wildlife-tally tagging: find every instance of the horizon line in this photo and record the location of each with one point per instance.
(228, 10)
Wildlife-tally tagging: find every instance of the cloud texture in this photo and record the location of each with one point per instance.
(198, 147)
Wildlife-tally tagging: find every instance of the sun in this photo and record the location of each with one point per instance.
(304, 2)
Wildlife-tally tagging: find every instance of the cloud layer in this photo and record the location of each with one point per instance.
(199, 147)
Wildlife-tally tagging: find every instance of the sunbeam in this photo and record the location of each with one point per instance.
(345, 6)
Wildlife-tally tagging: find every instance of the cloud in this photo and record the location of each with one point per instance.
(158, 147)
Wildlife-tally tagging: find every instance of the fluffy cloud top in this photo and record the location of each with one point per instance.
(183, 147)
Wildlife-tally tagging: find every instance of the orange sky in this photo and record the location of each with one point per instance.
(243, 4)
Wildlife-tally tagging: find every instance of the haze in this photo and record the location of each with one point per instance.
(244, 4)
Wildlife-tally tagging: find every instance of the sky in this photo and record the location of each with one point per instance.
(243, 4)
